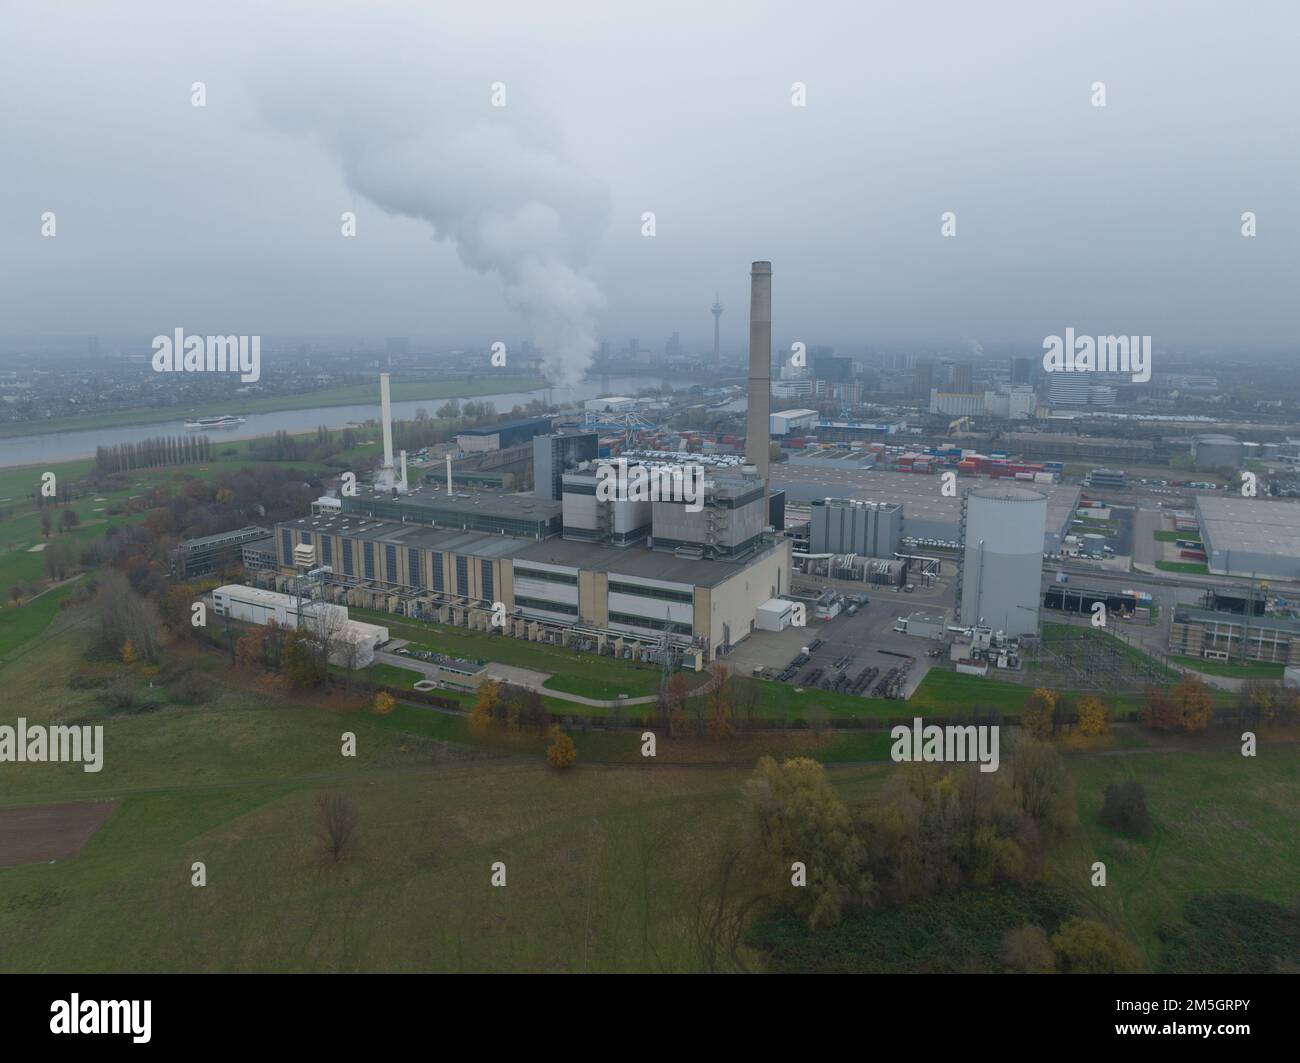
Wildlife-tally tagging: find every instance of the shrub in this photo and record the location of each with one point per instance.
(1125, 809)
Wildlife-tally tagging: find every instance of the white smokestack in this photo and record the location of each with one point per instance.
(401, 486)
(449, 474)
(758, 434)
(386, 415)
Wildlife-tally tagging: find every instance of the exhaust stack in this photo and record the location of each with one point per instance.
(758, 415)
(386, 416)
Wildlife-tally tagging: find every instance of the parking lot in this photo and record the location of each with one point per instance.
(860, 654)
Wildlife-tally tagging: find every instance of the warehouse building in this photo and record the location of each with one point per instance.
(1216, 452)
(550, 589)
(1250, 536)
(793, 422)
(500, 436)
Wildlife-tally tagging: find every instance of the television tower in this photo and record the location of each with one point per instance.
(716, 310)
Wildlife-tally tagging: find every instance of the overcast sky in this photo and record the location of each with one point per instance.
(226, 218)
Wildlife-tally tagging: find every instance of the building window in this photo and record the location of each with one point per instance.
(549, 606)
(666, 594)
(523, 572)
(436, 559)
(286, 540)
(485, 578)
(368, 560)
(413, 563)
(347, 557)
(390, 562)
(306, 538)
(462, 575)
(327, 550)
(646, 622)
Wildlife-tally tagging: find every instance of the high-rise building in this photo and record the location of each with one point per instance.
(922, 379)
(962, 375)
(1021, 369)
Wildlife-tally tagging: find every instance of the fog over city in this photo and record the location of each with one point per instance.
(476, 220)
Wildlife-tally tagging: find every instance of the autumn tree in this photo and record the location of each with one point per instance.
(482, 718)
(796, 816)
(1094, 716)
(720, 703)
(561, 753)
(1041, 783)
(128, 653)
(301, 662)
(1026, 950)
(1038, 716)
(383, 703)
(336, 824)
(1185, 706)
(1086, 946)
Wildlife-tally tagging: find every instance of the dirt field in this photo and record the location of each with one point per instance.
(41, 833)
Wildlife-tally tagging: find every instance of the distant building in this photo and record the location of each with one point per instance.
(211, 553)
(500, 436)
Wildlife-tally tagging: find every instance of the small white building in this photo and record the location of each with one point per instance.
(353, 642)
(792, 422)
(775, 614)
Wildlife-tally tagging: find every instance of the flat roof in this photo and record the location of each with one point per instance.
(1254, 525)
(918, 492)
(505, 426)
(427, 497)
(637, 561)
(1277, 623)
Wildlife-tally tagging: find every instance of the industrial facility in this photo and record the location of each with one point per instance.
(1252, 537)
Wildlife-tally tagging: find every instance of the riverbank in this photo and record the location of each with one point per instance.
(353, 394)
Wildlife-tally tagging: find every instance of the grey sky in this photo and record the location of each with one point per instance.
(1118, 219)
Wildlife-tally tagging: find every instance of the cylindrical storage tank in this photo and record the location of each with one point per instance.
(1002, 557)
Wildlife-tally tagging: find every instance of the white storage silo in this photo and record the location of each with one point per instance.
(1002, 558)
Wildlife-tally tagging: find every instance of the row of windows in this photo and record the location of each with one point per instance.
(657, 625)
(413, 566)
(541, 603)
(662, 593)
(550, 577)
(485, 579)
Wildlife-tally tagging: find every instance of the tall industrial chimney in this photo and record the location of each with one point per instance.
(758, 421)
(386, 415)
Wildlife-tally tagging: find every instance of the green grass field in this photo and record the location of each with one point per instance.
(1170, 536)
(605, 864)
(1245, 670)
(1223, 823)
(1194, 568)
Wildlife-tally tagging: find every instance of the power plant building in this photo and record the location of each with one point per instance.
(1000, 582)
(553, 588)
(553, 455)
(501, 436)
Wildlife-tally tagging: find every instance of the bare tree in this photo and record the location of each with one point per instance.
(336, 823)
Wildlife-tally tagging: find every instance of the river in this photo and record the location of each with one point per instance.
(52, 447)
